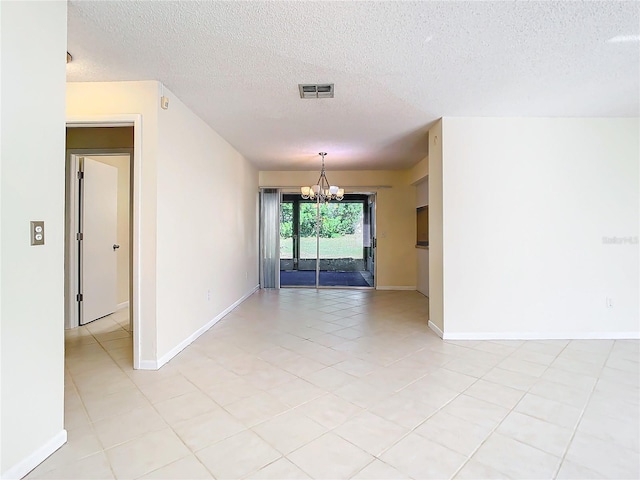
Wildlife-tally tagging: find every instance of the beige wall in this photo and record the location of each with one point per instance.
(436, 239)
(198, 215)
(123, 164)
(207, 235)
(33, 43)
(114, 98)
(395, 211)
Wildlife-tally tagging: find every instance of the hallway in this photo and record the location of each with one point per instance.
(339, 384)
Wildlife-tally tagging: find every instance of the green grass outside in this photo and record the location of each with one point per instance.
(346, 246)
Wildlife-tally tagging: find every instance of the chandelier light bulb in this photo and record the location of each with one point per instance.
(323, 190)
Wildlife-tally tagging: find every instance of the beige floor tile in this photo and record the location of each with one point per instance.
(98, 385)
(329, 378)
(355, 367)
(516, 459)
(454, 433)
(378, 470)
(208, 428)
(329, 410)
(114, 404)
(361, 393)
(256, 409)
(95, 466)
(545, 436)
(474, 470)
(549, 410)
(237, 456)
(418, 457)
(330, 457)
(167, 388)
(296, 392)
(186, 406)
(371, 433)
(519, 381)
(561, 393)
(572, 471)
(281, 469)
(625, 433)
(494, 393)
(187, 468)
(289, 431)
(606, 458)
(403, 410)
(81, 442)
(274, 368)
(122, 428)
(476, 411)
(429, 392)
(146, 453)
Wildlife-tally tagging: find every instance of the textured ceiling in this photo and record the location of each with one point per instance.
(397, 67)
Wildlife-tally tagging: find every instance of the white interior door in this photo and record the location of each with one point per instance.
(99, 223)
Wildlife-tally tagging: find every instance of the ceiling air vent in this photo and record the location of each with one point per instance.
(321, 90)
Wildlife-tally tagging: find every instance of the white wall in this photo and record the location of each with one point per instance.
(207, 236)
(33, 44)
(123, 164)
(422, 199)
(526, 205)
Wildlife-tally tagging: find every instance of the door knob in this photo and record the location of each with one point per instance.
(115, 246)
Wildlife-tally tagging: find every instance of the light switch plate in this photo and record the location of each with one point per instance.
(37, 233)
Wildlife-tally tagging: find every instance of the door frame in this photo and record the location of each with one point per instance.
(71, 267)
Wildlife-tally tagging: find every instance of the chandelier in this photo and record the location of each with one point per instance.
(322, 191)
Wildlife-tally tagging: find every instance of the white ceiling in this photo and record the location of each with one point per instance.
(397, 67)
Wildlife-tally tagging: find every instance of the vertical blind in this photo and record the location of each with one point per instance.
(270, 238)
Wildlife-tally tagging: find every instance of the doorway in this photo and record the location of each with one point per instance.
(327, 244)
(99, 142)
(101, 220)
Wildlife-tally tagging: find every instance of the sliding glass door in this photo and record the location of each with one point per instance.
(326, 245)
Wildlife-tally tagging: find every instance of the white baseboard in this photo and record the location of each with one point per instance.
(36, 458)
(392, 287)
(436, 329)
(541, 335)
(122, 306)
(148, 365)
(187, 341)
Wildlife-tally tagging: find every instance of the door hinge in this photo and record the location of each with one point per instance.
(79, 297)
(80, 175)
(79, 236)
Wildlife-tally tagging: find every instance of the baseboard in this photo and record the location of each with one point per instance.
(436, 329)
(392, 287)
(122, 306)
(148, 365)
(36, 458)
(541, 335)
(187, 341)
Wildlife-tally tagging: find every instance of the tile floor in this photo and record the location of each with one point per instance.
(338, 384)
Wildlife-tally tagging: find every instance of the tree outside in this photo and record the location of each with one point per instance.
(340, 230)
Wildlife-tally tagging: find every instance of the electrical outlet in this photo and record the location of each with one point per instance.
(609, 302)
(37, 233)
(208, 295)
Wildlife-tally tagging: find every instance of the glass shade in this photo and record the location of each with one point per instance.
(333, 189)
(305, 191)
